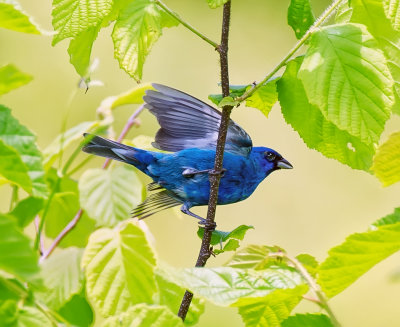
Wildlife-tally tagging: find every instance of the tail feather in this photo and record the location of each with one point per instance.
(110, 149)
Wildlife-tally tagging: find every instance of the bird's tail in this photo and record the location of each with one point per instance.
(102, 147)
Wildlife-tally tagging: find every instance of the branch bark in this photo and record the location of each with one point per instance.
(71, 225)
(215, 174)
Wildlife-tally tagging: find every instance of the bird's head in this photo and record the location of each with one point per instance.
(270, 159)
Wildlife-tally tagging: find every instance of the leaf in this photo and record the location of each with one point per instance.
(234, 91)
(227, 101)
(219, 236)
(300, 16)
(308, 320)
(392, 218)
(72, 17)
(387, 161)
(16, 255)
(26, 210)
(270, 310)
(64, 140)
(10, 77)
(356, 255)
(80, 49)
(345, 74)
(170, 294)
(63, 277)
(216, 3)
(13, 168)
(77, 311)
(392, 11)
(13, 18)
(119, 267)
(343, 13)
(137, 28)
(8, 313)
(315, 130)
(309, 262)
(109, 195)
(254, 257)
(62, 209)
(145, 315)
(30, 316)
(23, 141)
(264, 98)
(224, 285)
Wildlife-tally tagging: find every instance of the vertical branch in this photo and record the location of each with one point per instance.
(215, 174)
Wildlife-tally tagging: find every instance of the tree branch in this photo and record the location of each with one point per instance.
(71, 225)
(321, 19)
(215, 174)
(189, 27)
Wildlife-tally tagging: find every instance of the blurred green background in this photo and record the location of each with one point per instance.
(306, 210)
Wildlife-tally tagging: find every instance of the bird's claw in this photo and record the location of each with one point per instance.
(208, 225)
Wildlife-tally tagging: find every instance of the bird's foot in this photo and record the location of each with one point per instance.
(207, 224)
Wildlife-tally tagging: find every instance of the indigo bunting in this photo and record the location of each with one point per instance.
(189, 129)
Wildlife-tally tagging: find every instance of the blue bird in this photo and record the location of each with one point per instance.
(189, 129)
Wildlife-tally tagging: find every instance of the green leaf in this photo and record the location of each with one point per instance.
(170, 294)
(16, 255)
(359, 253)
(309, 262)
(63, 277)
(254, 257)
(23, 141)
(264, 98)
(30, 316)
(219, 236)
(13, 18)
(80, 49)
(346, 75)
(145, 315)
(308, 320)
(224, 285)
(109, 195)
(270, 310)
(72, 17)
(64, 140)
(392, 218)
(227, 101)
(8, 313)
(216, 3)
(343, 13)
(300, 16)
(387, 161)
(234, 91)
(26, 210)
(392, 11)
(77, 311)
(10, 77)
(315, 130)
(119, 266)
(13, 168)
(137, 28)
(63, 208)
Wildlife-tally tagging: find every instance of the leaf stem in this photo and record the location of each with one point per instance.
(189, 27)
(215, 174)
(297, 46)
(71, 225)
(14, 197)
(322, 300)
(78, 166)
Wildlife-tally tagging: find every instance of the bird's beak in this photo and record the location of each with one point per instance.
(284, 164)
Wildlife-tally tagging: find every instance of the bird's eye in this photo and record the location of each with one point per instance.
(270, 156)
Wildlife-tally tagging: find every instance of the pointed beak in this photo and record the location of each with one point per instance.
(284, 164)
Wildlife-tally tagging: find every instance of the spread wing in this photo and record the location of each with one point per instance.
(187, 122)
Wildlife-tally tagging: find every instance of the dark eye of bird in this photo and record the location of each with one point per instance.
(270, 156)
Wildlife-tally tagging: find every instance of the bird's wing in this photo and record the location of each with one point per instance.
(154, 203)
(187, 122)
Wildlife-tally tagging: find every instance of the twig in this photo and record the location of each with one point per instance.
(298, 45)
(189, 27)
(41, 244)
(215, 175)
(71, 225)
(322, 300)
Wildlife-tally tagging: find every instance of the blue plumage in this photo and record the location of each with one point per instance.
(189, 128)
